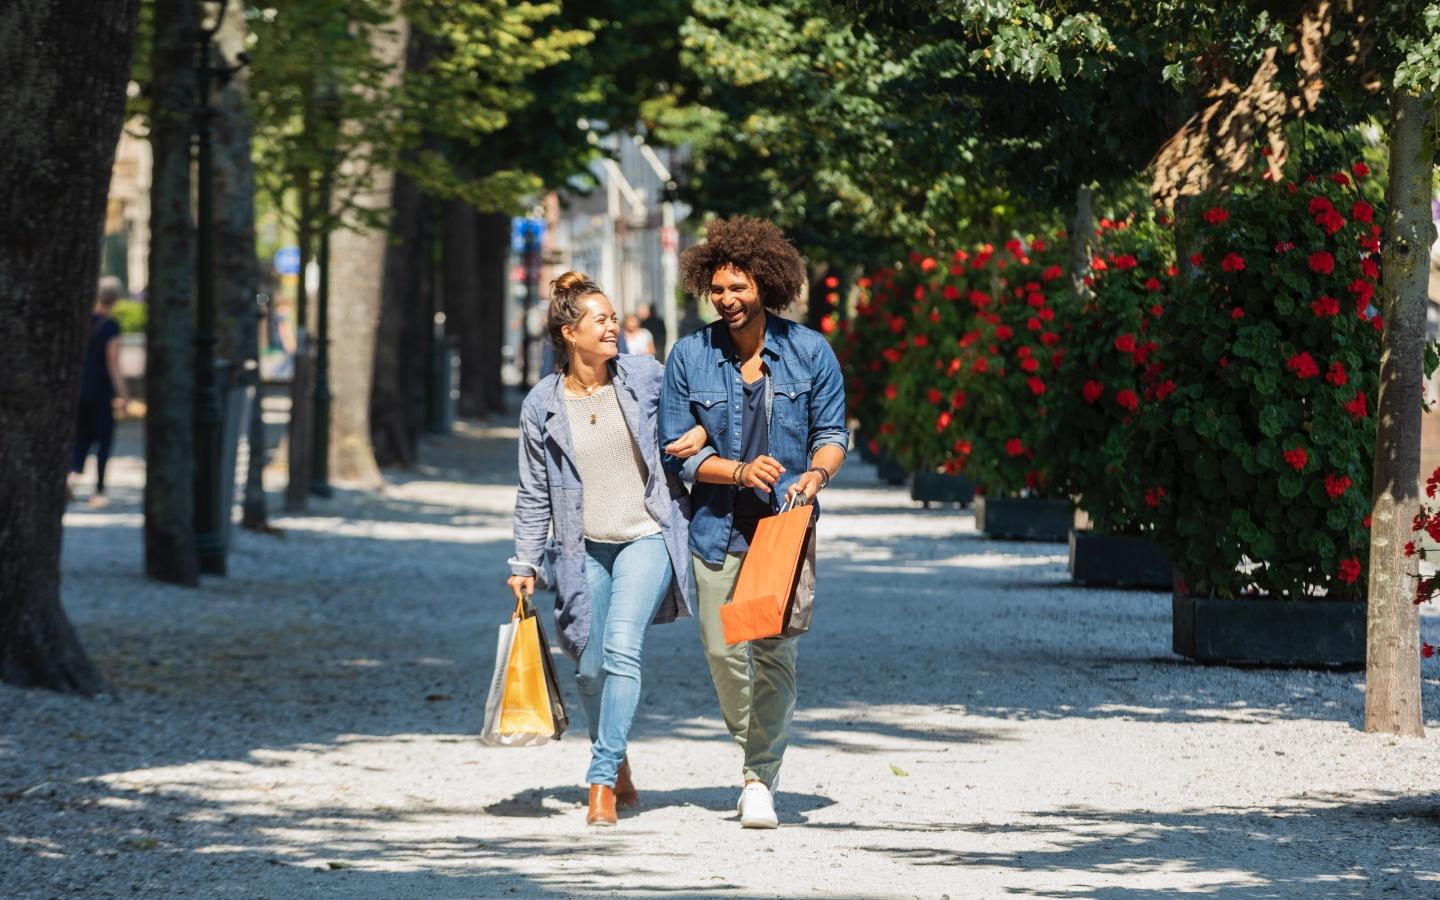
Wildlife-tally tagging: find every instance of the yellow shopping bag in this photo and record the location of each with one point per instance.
(524, 708)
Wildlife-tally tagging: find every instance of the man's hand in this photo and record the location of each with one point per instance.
(762, 472)
(689, 443)
(808, 484)
(522, 586)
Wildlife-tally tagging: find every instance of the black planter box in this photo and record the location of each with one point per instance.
(1259, 631)
(1118, 560)
(890, 471)
(1024, 518)
(937, 487)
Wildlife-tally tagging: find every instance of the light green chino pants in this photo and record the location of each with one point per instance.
(755, 680)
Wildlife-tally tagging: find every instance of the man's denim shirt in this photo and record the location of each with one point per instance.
(703, 384)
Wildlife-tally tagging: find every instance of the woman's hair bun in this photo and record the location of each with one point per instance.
(569, 281)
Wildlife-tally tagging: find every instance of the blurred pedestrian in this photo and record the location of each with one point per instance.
(592, 481)
(637, 338)
(654, 323)
(102, 391)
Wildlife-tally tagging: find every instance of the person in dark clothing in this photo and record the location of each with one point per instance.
(102, 388)
(651, 321)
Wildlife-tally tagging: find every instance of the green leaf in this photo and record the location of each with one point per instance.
(899, 771)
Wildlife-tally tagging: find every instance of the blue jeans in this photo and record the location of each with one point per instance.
(626, 583)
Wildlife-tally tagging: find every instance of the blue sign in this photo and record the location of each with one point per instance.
(522, 230)
(287, 261)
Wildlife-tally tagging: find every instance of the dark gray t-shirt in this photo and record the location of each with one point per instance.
(751, 504)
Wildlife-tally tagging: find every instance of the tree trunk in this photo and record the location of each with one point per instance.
(1392, 673)
(63, 71)
(236, 268)
(1082, 242)
(460, 250)
(357, 277)
(815, 306)
(394, 424)
(492, 230)
(169, 339)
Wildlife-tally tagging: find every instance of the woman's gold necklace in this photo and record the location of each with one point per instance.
(589, 390)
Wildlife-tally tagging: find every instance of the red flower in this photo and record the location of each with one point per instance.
(1004, 332)
(1237, 313)
(1361, 211)
(954, 367)
(1036, 300)
(1164, 389)
(1153, 496)
(1322, 263)
(1349, 570)
(919, 292)
(1409, 548)
(1284, 247)
(1098, 264)
(1157, 310)
(1360, 170)
(1015, 447)
(1303, 365)
(1357, 406)
(957, 399)
(1341, 179)
(935, 316)
(1037, 387)
(1233, 262)
(1365, 522)
(1051, 273)
(942, 422)
(935, 396)
(1197, 259)
(1030, 364)
(827, 325)
(1033, 324)
(927, 264)
(952, 292)
(1125, 343)
(922, 340)
(1124, 262)
(1215, 215)
(1049, 338)
(1331, 221)
(897, 324)
(1092, 391)
(1335, 485)
(891, 354)
(890, 392)
(1047, 314)
(1152, 284)
(1298, 458)
(1369, 268)
(982, 364)
(962, 448)
(1432, 483)
(1427, 650)
(1363, 291)
(1337, 374)
(1318, 205)
(1127, 399)
(1326, 306)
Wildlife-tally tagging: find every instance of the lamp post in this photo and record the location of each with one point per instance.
(210, 514)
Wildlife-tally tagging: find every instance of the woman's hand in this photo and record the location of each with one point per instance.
(522, 586)
(689, 443)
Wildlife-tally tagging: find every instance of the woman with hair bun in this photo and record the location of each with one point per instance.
(591, 480)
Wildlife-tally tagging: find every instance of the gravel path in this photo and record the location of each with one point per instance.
(969, 726)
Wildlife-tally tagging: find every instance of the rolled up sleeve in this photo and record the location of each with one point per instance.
(532, 502)
(827, 404)
(676, 419)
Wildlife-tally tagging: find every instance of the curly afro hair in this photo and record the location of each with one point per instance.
(756, 247)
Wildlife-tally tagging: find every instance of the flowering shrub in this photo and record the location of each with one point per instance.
(952, 359)
(859, 343)
(1263, 447)
(1009, 365)
(1110, 370)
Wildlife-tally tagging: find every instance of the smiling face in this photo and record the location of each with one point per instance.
(594, 337)
(735, 297)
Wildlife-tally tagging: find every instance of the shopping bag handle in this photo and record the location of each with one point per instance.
(789, 503)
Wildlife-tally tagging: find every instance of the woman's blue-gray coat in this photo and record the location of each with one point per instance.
(549, 504)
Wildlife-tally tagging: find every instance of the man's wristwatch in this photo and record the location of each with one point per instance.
(824, 474)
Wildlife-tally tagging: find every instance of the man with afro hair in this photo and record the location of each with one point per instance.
(770, 395)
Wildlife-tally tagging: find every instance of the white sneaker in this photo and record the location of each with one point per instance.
(757, 808)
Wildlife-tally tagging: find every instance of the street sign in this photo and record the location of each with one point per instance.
(523, 229)
(287, 261)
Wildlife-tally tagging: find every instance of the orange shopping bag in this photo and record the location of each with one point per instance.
(524, 707)
(766, 602)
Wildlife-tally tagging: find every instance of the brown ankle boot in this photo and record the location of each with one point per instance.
(602, 806)
(625, 794)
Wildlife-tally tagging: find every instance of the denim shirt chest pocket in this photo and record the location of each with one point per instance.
(790, 417)
(711, 408)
